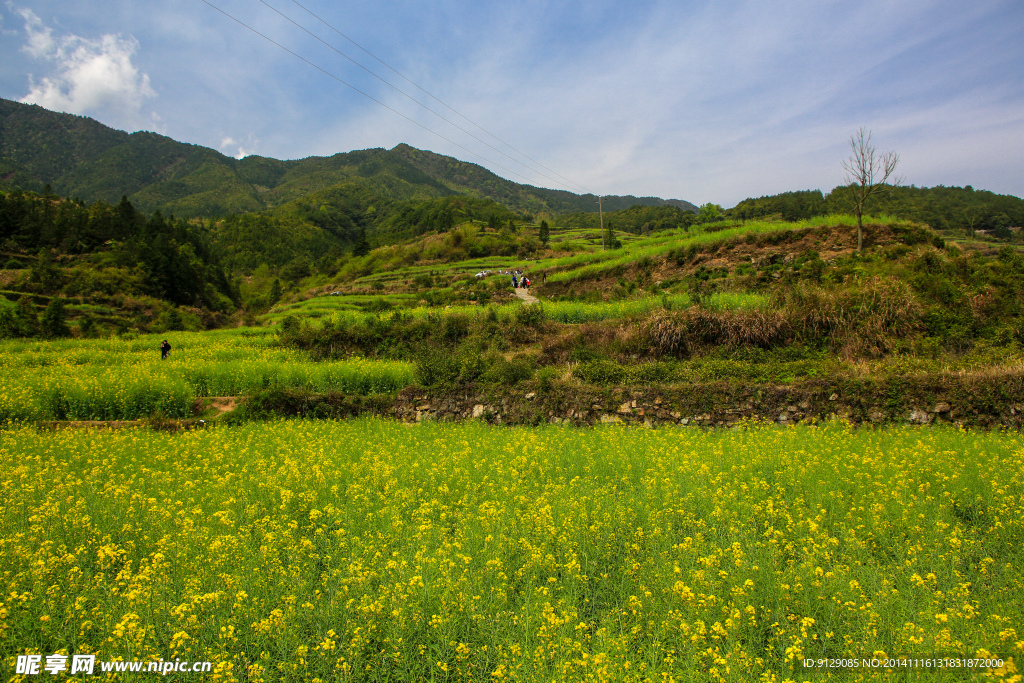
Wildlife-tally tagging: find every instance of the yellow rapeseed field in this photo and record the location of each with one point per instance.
(125, 379)
(369, 550)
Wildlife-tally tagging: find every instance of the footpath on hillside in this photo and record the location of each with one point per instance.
(525, 296)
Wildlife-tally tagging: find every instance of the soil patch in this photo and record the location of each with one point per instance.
(215, 406)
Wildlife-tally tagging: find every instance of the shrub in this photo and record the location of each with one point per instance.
(599, 372)
(170, 320)
(86, 326)
(436, 366)
(510, 372)
(290, 325)
(526, 323)
(20, 321)
(53, 323)
(378, 305)
(546, 378)
(681, 334)
(454, 327)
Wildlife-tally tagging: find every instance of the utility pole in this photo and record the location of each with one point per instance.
(600, 212)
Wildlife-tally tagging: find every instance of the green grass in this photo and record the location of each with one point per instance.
(593, 264)
(560, 311)
(580, 312)
(116, 379)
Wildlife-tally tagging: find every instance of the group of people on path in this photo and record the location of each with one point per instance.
(520, 281)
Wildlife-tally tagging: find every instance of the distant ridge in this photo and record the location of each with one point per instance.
(80, 157)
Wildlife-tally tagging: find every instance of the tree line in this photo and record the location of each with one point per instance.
(943, 208)
(168, 259)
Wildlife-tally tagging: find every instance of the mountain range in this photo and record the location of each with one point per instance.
(80, 157)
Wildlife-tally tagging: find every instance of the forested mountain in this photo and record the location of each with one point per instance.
(637, 219)
(79, 157)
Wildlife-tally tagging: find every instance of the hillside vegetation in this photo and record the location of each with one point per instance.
(760, 303)
(961, 210)
(104, 265)
(79, 157)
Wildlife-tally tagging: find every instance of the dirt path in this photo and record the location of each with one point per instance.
(222, 404)
(525, 296)
(208, 407)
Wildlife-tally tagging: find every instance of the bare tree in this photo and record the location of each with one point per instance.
(867, 173)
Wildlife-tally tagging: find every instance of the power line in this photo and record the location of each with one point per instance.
(367, 96)
(403, 93)
(431, 96)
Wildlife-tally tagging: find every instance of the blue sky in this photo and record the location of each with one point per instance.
(703, 101)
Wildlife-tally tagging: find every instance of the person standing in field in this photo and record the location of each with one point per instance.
(165, 350)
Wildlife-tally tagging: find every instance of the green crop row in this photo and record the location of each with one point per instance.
(109, 379)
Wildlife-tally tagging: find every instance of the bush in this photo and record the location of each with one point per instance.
(510, 372)
(86, 326)
(530, 315)
(436, 367)
(681, 334)
(526, 323)
(864, 320)
(290, 325)
(378, 305)
(546, 378)
(454, 327)
(20, 321)
(53, 323)
(599, 372)
(170, 320)
(473, 363)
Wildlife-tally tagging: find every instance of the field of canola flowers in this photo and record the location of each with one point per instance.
(125, 379)
(369, 550)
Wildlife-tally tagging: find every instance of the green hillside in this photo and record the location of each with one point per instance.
(79, 157)
(738, 308)
(105, 266)
(961, 209)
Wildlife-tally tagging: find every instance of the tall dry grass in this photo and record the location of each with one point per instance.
(865, 319)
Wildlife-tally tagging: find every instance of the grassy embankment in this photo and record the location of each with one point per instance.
(762, 302)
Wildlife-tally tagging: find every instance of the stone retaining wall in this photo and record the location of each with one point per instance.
(719, 406)
(987, 402)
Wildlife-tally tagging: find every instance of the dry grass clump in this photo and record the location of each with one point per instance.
(684, 333)
(864, 319)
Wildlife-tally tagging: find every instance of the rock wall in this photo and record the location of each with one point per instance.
(988, 402)
(991, 402)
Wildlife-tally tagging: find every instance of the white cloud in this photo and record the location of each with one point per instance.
(86, 75)
(697, 100)
(238, 150)
(40, 38)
